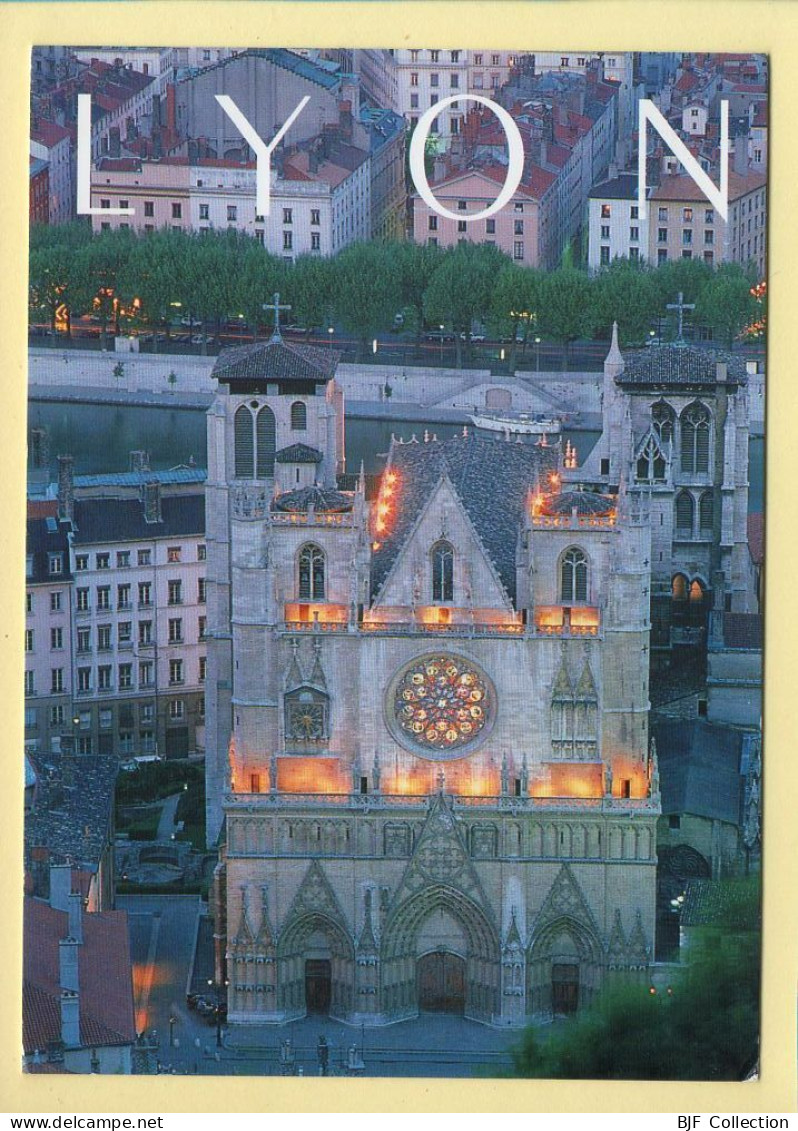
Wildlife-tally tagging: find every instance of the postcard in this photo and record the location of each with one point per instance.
(393, 684)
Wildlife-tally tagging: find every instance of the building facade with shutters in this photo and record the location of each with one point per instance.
(427, 743)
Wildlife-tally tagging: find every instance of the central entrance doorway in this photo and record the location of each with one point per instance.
(441, 982)
(318, 985)
(564, 988)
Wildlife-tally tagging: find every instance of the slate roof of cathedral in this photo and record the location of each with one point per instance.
(492, 479)
(104, 977)
(71, 817)
(679, 365)
(699, 766)
(299, 453)
(278, 360)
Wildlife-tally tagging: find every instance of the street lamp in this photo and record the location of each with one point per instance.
(172, 1023)
(330, 332)
(217, 1007)
(441, 330)
(374, 346)
(537, 354)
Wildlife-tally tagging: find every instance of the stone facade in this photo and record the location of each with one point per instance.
(675, 423)
(427, 717)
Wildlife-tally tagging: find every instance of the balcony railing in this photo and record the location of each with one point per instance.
(574, 521)
(367, 801)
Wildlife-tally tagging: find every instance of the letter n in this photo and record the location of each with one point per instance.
(719, 197)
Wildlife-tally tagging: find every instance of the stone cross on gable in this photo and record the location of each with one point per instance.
(681, 306)
(276, 307)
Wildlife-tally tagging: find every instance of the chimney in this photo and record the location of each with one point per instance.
(115, 141)
(68, 964)
(60, 886)
(548, 125)
(139, 461)
(345, 120)
(70, 1018)
(612, 171)
(171, 111)
(76, 916)
(66, 488)
(151, 497)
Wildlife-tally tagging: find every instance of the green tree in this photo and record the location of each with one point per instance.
(726, 304)
(707, 1028)
(414, 265)
(626, 293)
(567, 307)
(259, 276)
(104, 265)
(309, 289)
(54, 280)
(367, 290)
(460, 288)
(688, 276)
(515, 305)
(155, 276)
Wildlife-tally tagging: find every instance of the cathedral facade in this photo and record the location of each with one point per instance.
(427, 718)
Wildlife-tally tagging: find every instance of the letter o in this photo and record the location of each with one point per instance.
(515, 167)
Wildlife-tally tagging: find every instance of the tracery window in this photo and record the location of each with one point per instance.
(443, 571)
(299, 416)
(573, 576)
(695, 439)
(706, 512)
(663, 419)
(651, 462)
(312, 569)
(306, 715)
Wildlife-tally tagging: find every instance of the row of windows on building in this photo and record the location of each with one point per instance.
(490, 225)
(104, 677)
(312, 574)
(124, 595)
(205, 211)
(124, 558)
(57, 716)
(124, 635)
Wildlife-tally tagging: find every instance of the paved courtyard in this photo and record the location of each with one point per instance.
(162, 934)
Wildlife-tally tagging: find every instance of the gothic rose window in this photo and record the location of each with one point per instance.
(306, 715)
(441, 703)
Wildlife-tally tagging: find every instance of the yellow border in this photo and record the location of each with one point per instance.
(746, 25)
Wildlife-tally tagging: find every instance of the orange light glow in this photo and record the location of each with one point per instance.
(311, 775)
(306, 612)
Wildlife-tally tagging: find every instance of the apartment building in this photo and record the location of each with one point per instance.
(518, 229)
(426, 76)
(615, 228)
(320, 198)
(139, 621)
(48, 627)
(684, 225)
(52, 143)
